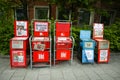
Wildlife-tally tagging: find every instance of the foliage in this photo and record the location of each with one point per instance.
(6, 26)
(111, 33)
(6, 33)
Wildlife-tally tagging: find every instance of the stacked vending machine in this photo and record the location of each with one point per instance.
(40, 44)
(103, 48)
(18, 44)
(63, 42)
(87, 47)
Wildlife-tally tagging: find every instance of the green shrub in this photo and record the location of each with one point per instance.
(6, 33)
(112, 33)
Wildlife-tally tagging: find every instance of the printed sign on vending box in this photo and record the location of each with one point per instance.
(89, 54)
(21, 28)
(88, 44)
(98, 30)
(18, 56)
(41, 26)
(41, 56)
(17, 44)
(103, 55)
(104, 45)
(63, 54)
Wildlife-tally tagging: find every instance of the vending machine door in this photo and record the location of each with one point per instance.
(18, 58)
(88, 56)
(103, 55)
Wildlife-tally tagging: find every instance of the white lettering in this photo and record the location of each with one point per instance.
(63, 54)
(41, 56)
(41, 33)
(62, 34)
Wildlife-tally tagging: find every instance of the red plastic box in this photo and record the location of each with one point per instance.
(63, 42)
(103, 55)
(63, 29)
(40, 43)
(18, 58)
(41, 56)
(63, 54)
(41, 29)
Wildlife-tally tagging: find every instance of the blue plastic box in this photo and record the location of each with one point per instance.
(87, 45)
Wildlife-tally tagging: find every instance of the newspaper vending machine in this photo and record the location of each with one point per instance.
(63, 42)
(18, 44)
(40, 44)
(103, 48)
(87, 47)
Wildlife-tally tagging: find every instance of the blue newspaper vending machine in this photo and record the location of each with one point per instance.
(87, 46)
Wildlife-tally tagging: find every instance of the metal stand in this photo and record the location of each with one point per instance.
(44, 62)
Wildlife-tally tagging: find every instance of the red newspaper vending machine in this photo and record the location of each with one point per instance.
(63, 42)
(40, 44)
(18, 44)
(103, 48)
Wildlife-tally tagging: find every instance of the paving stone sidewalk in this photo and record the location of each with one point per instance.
(63, 71)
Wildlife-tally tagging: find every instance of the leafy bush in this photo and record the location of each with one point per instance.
(112, 33)
(6, 33)
(6, 26)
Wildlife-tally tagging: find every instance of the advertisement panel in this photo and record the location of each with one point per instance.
(21, 28)
(41, 28)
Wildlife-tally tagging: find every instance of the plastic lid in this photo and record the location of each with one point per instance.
(85, 34)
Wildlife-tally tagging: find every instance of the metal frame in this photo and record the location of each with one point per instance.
(71, 60)
(31, 51)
